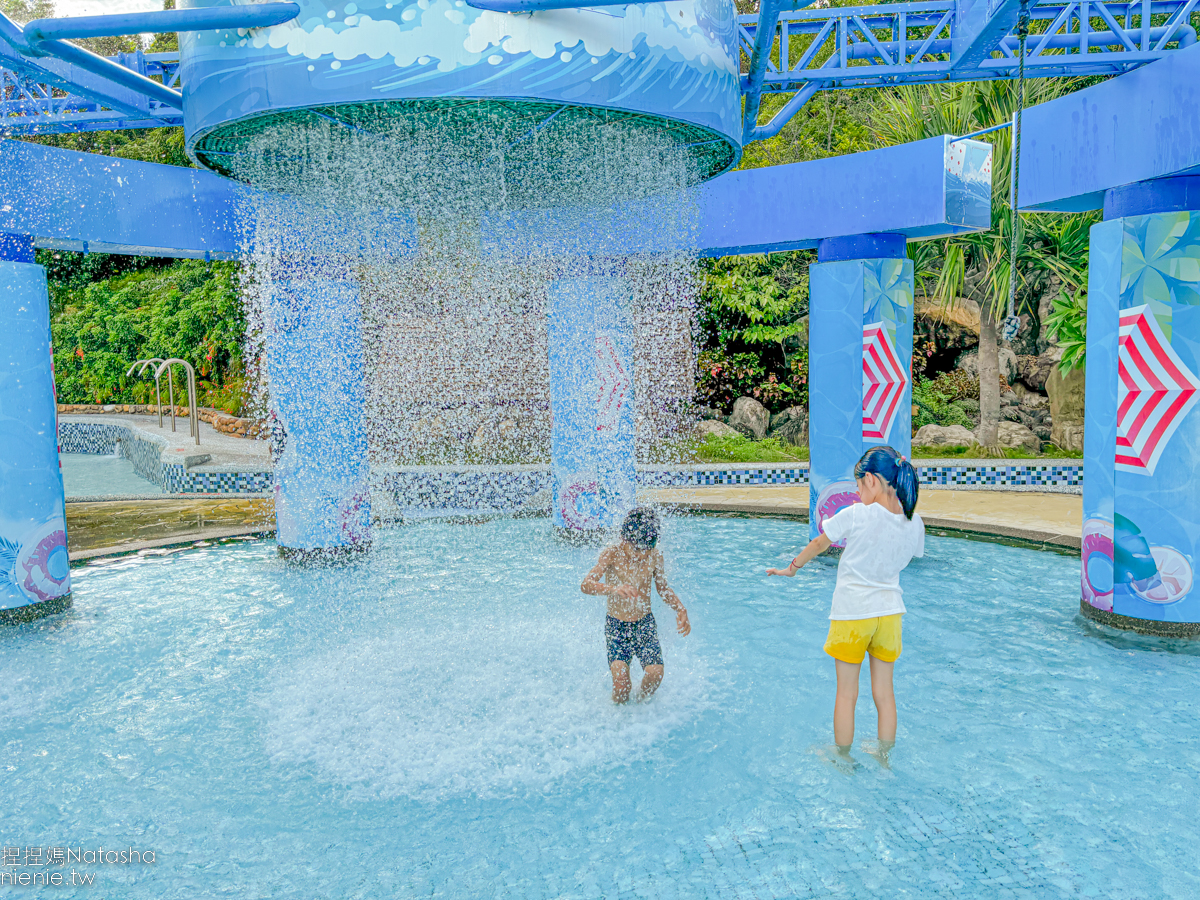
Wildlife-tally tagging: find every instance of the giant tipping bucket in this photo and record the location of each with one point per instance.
(668, 69)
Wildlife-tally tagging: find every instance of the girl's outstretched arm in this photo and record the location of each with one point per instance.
(815, 548)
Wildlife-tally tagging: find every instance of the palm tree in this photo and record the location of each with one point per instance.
(976, 266)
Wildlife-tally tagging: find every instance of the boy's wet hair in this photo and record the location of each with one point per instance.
(640, 528)
(895, 470)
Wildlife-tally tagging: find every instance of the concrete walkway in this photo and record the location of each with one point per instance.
(98, 528)
(1045, 518)
(226, 452)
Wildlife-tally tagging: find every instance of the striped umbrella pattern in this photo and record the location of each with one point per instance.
(1155, 390)
(613, 384)
(884, 380)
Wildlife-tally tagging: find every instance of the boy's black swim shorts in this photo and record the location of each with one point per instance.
(629, 639)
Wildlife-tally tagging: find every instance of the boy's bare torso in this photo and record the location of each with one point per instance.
(623, 565)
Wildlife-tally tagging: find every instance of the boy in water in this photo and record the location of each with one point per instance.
(627, 570)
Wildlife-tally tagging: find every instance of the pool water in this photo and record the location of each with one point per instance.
(435, 721)
(91, 475)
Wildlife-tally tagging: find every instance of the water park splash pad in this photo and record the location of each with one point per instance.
(407, 726)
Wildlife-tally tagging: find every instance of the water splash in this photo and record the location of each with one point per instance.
(452, 248)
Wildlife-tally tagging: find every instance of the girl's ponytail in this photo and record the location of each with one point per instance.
(906, 486)
(894, 469)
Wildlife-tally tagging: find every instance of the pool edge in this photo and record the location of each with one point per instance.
(1153, 627)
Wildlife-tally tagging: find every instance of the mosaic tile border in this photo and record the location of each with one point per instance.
(514, 488)
(178, 480)
(103, 438)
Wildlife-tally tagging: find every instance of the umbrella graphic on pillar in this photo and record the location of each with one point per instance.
(884, 380)
(1155, 390)
(613, 384)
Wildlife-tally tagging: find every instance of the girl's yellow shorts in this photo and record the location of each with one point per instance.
(850, 639)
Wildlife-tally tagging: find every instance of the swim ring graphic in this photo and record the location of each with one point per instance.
(1174, 577)
(581, 504)
(1156, 574)
(836, 497)
(36, 568)
(1096, 579)
(354, 518)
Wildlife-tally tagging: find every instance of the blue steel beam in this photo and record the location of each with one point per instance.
(1141, 126)
(980, 26)
(258, 15)
(105, 68)
(82, 201)
(918, 190)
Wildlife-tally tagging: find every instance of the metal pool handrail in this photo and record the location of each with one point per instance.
(191, 382)
(157, 388)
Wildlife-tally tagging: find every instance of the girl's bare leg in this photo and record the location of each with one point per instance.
(843, 707)
(885, 700)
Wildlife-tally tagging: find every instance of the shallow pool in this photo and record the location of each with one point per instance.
(91, 475)
(436, 722)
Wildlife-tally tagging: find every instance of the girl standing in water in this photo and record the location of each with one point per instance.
(882, 535)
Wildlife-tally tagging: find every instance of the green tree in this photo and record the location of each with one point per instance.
(24, 11)
(977, 265)
(754, 326)
(189, 310)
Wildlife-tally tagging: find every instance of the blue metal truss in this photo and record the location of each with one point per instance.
(52, 86)
(46, 96)
(806, 50)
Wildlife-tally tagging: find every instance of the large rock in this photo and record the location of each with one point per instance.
(969, 363)
(791, 426)
(964, 313)
(1066, 408)
(750, 418)
(943, 334)
(953, 435)
(1016, 436)
(1034, 370)
(712, 426)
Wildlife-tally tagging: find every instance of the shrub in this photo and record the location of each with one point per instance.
(935, 399)
(190, 310)
(722, 378)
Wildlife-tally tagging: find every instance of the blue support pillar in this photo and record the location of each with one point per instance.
(1141, 493)
(35, 573)
(591, 402)
(318, 389)
(859, 362)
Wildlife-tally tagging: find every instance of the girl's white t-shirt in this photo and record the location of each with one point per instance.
(879, 544)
